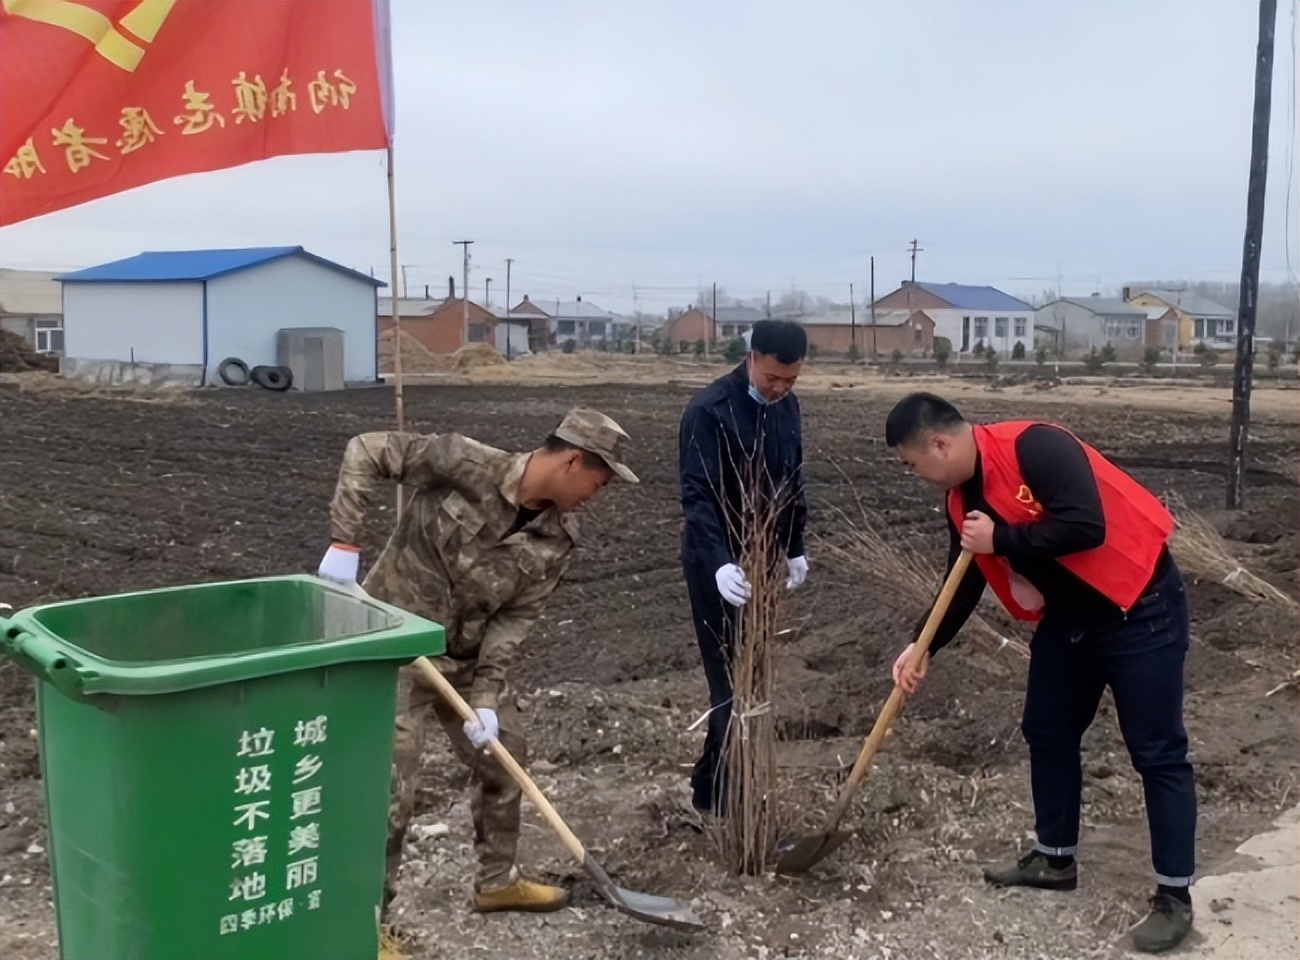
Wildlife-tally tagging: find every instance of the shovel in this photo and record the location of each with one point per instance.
(664, 911)
(800, 854)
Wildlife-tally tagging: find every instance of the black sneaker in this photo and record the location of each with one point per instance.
(1033, 870)
(1164, 928)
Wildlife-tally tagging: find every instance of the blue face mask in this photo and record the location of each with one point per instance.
(758, 398)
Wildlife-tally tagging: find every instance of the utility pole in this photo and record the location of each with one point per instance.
(403, 281)
(487, 294)
(636, 325)
(464, 292)
(713, 322)
(873, 307)
(853, 326)
(1243, 368)
(914, 251)
(509, 261)
(767, 311)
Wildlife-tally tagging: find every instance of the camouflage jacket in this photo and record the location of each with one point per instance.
(449, 559)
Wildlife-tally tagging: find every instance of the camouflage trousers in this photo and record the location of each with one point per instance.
(494, 802)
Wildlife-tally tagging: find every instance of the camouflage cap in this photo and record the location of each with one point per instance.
(596, 433)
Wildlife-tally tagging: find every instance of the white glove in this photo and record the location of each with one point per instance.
(340, 563)
(798, 572)
(732, 584)
(482, 732)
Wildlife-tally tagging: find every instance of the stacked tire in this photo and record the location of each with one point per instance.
(236, 373)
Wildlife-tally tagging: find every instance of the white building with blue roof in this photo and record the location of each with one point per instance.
(177, 315)
(968, 316)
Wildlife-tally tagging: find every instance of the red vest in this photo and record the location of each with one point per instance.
(1137, 525)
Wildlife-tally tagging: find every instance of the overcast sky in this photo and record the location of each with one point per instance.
(659, 147)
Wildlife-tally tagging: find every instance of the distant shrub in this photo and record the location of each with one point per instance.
(942, 351)
(1150, 357)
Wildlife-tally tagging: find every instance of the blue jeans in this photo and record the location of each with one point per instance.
(1141, 660)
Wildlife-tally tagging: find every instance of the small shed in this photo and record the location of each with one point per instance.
(177, 315)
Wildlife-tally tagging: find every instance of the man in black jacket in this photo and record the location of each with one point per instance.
(740, 444)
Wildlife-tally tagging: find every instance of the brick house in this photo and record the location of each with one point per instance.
(911, 334)
(540, 336)
(439, 325)
(696, 323)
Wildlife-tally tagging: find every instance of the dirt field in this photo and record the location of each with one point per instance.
(101, 493)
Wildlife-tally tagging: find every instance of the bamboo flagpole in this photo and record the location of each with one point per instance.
(396, 310)
(384, 59)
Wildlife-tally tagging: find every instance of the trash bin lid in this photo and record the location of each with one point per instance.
(180, 638)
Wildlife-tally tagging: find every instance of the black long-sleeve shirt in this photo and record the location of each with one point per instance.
(727, 443)
(1054, 466)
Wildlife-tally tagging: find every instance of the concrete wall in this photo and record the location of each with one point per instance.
(511, 339)
(23, 326)
(245, 310)
(161, 322)
(115, 372)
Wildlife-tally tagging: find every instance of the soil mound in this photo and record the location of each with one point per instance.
(17, 355)
(416, 357)
(475, 355)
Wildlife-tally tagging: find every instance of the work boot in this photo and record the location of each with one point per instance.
(1033, 870)
(390, 947)
(523, 895)
(1165, 926)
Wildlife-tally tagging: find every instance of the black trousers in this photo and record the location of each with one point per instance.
(1141, 660)
(715, 633)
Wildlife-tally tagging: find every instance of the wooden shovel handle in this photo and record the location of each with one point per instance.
(512, 767)
(894, 705)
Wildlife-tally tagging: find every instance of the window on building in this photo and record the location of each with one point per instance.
(981, 327)
(1228, 328)
(564, 328)
(1020, 326)
(1000, 328)
(916, 335)
(728, 329)
(49, 336)
(477, 332)
(1131, 330)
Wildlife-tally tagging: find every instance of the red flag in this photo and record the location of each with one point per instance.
(99, 96)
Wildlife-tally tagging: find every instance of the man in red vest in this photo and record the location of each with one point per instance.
(1066, 539)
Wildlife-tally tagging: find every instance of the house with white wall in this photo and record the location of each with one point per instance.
(178, 314)
(967, 316)
(580, 321)
(1076, 325)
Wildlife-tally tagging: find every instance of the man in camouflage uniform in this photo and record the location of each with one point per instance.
(482, 543)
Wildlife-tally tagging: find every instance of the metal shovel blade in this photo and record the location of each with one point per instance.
(664, 911)
(801, 854)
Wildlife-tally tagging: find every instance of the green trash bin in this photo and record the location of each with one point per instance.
(216, 765)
